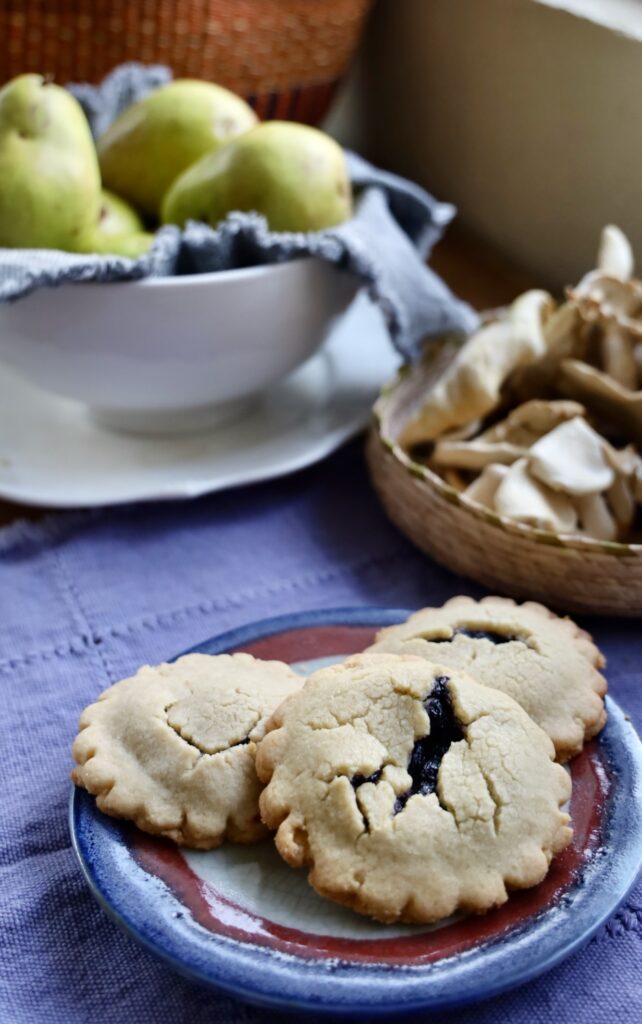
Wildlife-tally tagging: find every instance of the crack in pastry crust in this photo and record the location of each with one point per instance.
(201, 750)
(213, 723)
(476, 634)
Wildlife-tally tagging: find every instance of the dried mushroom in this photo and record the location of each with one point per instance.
(621, 500)
(454, 478)
(571, 458)
(530, 421)
(610, 283)
(624, 461)
(538, 417)
(595, 518)
(601, 393)
(618, 356)
(609, 301)
(484, 487)
(475, 454)
(523, 498)
(614, 255)
(566, 336)
(464, 432)
(626, 464)
(470, 387)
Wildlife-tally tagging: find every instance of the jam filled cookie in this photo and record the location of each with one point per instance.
(410, 790)
(173, 747)
(547, 664)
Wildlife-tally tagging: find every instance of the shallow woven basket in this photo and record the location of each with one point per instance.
(572, 574)
(286, 57)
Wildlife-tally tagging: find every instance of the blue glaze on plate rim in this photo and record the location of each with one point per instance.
(149, 912)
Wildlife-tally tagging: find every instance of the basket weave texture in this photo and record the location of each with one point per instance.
(572, 574)
(285, 56)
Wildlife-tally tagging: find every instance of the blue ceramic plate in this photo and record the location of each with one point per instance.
(239, 919)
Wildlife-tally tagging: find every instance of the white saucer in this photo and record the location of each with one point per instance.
(52, 454)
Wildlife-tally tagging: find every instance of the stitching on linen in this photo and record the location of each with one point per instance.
(86, 641)
(627, 919)
(71, 589)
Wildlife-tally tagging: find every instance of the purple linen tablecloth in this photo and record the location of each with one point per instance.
(86, 599)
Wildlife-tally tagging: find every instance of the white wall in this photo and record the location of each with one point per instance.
(526, 116)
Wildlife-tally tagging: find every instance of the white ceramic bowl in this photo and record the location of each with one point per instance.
(167, 354)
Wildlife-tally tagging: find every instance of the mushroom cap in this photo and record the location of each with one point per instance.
(614, 255)
(521, 497)
(572, 459)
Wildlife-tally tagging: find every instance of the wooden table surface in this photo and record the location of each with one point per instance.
(473, 271)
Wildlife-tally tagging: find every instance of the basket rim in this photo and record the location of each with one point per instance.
(588, 545)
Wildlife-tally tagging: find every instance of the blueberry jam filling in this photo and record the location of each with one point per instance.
(358, 780)
(427, 753)
(475, 634)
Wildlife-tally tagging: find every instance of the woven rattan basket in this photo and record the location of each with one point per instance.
(572, 574)
(286, 57)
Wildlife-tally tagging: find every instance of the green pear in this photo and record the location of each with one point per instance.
(294, 175)
(152, 141)
(49, 176)
(131, 244)
(117, 231)
(117, 217)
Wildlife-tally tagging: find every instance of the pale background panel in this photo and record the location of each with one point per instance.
(525, 114)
